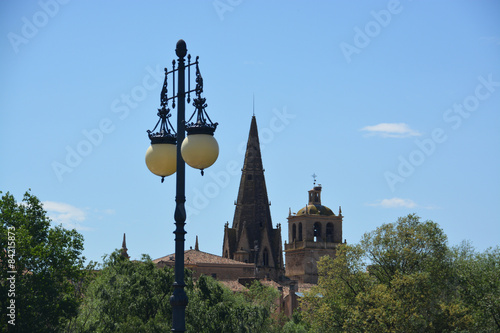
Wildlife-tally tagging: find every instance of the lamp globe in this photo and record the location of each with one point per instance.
(161, 158)
(200, 150)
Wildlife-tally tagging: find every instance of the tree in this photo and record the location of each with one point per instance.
(134, 296)
(48, 263)
(295, 324)
(214, 308)
(406, 247)
(478, 276)
(327, 307)
(127, 296)
(399, 278)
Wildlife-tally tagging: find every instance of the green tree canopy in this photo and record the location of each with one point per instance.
(49, 265)
(133, 296)
(127, 296)
(478, 282)
(214, 308)
(401, 277)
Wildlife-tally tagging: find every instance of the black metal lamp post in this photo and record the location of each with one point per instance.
(169, 151)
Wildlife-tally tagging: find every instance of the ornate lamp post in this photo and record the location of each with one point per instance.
(168, 151)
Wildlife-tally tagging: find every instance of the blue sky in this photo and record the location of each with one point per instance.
(394, 105)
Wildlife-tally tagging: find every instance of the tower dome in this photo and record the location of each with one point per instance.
(314, 206)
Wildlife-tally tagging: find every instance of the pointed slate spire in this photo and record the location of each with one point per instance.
(124, 248)
(253, 158)
(252, 204)
(252, 237)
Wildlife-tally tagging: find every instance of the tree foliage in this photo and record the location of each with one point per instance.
(214, 308)
(133, 296)
(126, 296)
(48, 262)
(402, 277)
(478, 276)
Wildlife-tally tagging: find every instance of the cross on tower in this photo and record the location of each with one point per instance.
(314, 177)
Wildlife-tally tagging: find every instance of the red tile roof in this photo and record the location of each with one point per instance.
(194, 257)
(233, 285)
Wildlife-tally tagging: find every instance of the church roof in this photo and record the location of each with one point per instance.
(194, 257)
(233, 285)
(315, 210)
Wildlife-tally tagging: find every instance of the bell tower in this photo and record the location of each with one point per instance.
(314, 231)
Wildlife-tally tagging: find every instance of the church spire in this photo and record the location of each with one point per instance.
(252, 237)
(253, 157)
(252, 204)
(124, 248)
(196, 246)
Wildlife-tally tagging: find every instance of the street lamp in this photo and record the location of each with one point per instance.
(168, 151)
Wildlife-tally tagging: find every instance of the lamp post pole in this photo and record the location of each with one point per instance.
(169, 154)
(179, 299)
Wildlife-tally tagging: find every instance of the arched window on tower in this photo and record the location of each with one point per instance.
(294, 232)
(300, 231)
(265, 257)
(329, 232)
(317, 232)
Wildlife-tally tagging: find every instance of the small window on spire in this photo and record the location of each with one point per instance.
(249, 177)
(265, 257)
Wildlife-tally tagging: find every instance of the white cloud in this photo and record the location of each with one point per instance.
(391, 130)
(395, 203)
(102, 213)
(67, 215)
